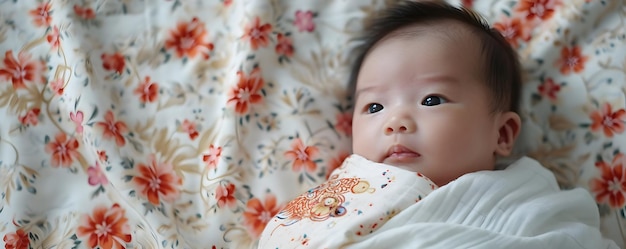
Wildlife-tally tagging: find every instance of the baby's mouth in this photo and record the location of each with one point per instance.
(400, 153)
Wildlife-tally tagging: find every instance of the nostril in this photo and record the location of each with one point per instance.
(402, 129)
(389, 129)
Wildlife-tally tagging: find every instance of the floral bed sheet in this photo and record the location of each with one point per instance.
(189, 124)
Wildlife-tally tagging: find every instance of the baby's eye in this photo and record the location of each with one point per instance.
(433, 100)
(374, 107)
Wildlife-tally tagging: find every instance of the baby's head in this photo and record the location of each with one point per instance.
(436, 91)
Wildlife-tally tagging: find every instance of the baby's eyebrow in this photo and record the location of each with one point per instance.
(364, 89)
(440, 79)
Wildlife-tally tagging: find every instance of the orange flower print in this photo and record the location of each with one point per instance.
(54, 38)
(17, 240)
(105, 228)
(572, 59)
(63, 150)
(77, 119)
(549, 89)
(257, 34)
(189, 39)
(113, 62)
(147, 91)
(336, 163)
(610, 187)
(113, 129)
(213, 157)
(84, 12)
(542, 9)
(31, 117)
(102, 156)
(190, 128)
(302, 156)
(21, 69)
(225, 196)
(247, 91)
(96, 175)
(513, 29)
(344, 123)
(284, 46)
(304, 21)
(41, 15)
(610, 122)
(158, 181)
(258, 213)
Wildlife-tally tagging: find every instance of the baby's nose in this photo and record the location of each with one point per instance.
(400, 125)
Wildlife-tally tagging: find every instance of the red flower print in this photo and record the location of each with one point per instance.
(224, 196)
(63, 150)
(112, 129)
(54, 38)
(344, 123)
(115, 62)
(467, 3)
(258, 213)
(41, 15)
(213, 157)
(572, 59)
(189, 39)
(542, 9)
(17, 240)
(105, 228)
(611, 185)
(158, 181)
(102, 156)
(549, 89)
(77, 119)
(57, 86)
(96, 175)
(31, 117)
(247, 91)
(284, 46)
(228, 2)
(610, 122)
(257, 34)
(147, 91)
(190, 128)
(84, 13)
(304, 21)
(21, 69)
(513, 29)
(302, 155)
(336, 163)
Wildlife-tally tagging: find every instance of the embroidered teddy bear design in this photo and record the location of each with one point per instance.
(324, 201)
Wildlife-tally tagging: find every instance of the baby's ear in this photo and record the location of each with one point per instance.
(509, 125)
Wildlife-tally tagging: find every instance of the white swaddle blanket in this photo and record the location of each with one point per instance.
(518, 207)
(358, 198)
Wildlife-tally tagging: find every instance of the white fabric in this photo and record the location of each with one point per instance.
(358, 198)
(519, 207)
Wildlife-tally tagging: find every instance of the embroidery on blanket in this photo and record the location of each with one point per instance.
(324, 201)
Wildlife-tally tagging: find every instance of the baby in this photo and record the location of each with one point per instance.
(436, 98)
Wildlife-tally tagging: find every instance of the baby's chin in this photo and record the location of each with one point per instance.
(409, 164)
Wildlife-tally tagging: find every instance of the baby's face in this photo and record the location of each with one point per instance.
(422, 104)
